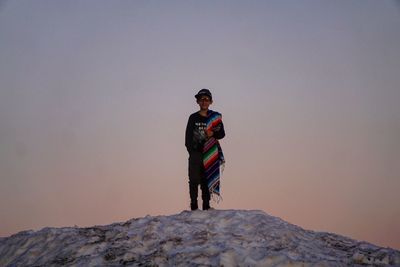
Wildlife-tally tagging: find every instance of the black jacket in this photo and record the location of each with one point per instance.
(196, 136)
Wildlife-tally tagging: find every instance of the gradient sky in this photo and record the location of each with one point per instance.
(95, 97)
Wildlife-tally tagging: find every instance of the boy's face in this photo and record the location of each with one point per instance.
(204, 102)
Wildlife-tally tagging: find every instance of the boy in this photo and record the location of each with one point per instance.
(203, 130)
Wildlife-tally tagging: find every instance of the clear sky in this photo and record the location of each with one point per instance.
(95, 97)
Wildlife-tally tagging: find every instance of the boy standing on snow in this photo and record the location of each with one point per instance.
(203, 130)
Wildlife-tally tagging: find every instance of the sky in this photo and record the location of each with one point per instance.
(95, 97)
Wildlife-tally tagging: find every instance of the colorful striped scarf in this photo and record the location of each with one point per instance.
(213, 158)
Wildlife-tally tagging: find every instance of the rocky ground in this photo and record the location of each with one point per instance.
(199, 238)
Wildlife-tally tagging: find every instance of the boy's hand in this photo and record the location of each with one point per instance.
(209, 133)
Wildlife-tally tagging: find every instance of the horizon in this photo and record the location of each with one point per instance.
(95, 97)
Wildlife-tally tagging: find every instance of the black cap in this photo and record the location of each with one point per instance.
(203, 92)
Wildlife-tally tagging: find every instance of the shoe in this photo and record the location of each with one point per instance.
(206, 206)
(193, 206)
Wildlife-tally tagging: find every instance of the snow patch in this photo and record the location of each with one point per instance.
(213, 237)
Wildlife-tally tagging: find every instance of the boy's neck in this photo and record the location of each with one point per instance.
(203, 112)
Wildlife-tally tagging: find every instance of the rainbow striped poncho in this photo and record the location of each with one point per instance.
(213, 158)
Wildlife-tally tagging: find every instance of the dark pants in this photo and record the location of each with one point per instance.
(197, 177)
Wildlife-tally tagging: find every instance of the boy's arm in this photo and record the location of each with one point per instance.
(219, 131)
(189, 135)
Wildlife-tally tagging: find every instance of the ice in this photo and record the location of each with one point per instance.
(198, 238)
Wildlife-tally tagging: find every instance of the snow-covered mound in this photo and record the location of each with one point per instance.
(211, 238)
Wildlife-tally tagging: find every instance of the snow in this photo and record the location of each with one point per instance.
(198, 238)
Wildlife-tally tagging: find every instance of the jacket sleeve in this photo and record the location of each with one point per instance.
(219, 131)
(189, 135)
